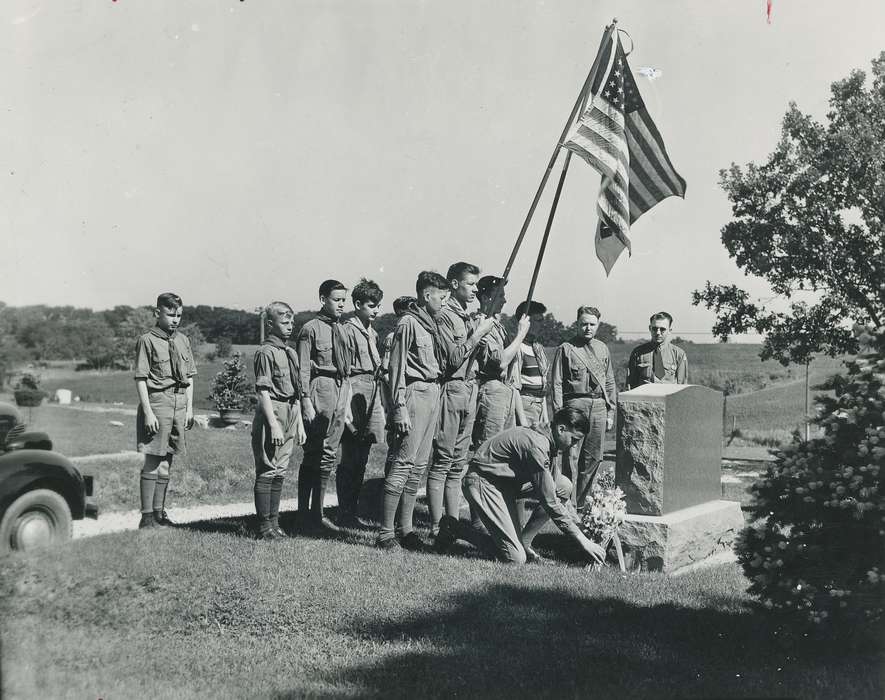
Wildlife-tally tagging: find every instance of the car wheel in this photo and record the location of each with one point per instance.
(35, 519)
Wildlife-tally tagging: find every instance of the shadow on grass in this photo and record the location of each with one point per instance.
(522, 641)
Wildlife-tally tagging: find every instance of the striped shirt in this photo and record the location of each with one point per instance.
(530, 372)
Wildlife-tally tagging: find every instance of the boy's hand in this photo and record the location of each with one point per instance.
(403, 425)
(300, 433)
(610, 420)
(276, 433)
(522, 329)
(308, 412)
(593, 550)
(189, 419)
(150, 422)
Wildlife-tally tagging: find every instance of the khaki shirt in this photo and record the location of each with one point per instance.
(523, 455)
(273, 372)
(571, 376)
(488, 357)
(456, 332)
(152, 361)
(412, 358)
(640, 367)
(363, 347)
(315, 350)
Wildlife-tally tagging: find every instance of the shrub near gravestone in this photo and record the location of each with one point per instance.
(27, 391)
(817, 548)
(231, 390)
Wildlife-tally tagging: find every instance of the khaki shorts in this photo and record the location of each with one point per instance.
(170, 408)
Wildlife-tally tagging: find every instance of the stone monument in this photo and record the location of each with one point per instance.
(669, 460)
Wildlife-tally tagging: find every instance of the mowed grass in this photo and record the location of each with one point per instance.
(205, 612)
(217, 467)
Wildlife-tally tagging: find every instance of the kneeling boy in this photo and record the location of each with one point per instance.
(496, 477)
(277, 425)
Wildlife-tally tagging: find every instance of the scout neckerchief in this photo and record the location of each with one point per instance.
(176, 362)
(367, 334)
(291, 356)
(340, 354)
(587, 357)
(429, 324)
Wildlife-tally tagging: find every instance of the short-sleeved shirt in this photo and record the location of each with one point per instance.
(456, 333)
(519, 456)
(315, 356)
(273, 371)
(669, 367)
(488, 357)
(363, 347)
(412, 357)
(153, 362)
(571, 376)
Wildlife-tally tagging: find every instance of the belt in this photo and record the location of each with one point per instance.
(566, 397)
(289, 401)
(328, 373)
(412, 380)
(361, 373)
(533, 393)
(174, 389)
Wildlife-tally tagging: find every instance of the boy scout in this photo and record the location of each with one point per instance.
(496, 406)
(277, 426)
(528, 370)
(366, 403)
(459, 334)
(582, 378)
(324, 368)
(164, 366)
(400, 304)
(658, 361)
(496, 477)
(414, 383)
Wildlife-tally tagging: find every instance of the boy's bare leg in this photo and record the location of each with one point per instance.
(150, 472)
(164, 472)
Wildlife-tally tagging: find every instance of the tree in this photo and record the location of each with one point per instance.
(195, 336)
(815, 550)
(810, 220)
(549, 331)
(137, 322)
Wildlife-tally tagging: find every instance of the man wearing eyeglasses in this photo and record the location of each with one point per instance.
(657, 361)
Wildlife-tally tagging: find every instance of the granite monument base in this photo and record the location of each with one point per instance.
(668, 542)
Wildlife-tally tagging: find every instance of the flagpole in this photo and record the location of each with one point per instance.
(609, 30)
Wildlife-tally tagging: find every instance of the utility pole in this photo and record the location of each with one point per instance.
(807, 403)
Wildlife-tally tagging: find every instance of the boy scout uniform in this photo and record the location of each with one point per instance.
(496, 406)
(656, 364)
(497, 476)
(166, 363)
(276, 371)
(324, 366)
(366, 407)
(458, 395)
(582, 378)
(534, 397)
(414, 383)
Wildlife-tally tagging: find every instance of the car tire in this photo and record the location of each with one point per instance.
(36, 519)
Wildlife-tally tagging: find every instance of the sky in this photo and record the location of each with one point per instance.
(240, 152)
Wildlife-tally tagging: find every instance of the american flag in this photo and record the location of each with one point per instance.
(617, 136)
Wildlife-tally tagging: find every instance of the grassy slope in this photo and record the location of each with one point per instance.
(191, 614)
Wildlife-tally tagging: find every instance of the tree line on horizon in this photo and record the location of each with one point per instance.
(106, 339)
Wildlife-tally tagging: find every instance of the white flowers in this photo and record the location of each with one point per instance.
(604, 510)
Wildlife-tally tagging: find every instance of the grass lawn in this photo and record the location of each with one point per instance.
(205, 612)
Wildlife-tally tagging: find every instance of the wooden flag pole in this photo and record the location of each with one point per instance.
(585, 89)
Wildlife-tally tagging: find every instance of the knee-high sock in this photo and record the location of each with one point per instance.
(453, 494)
(436, 489)
(262, 502)
(305, 483)
(148, 486)
(318, 494)
(160, 492)
(276, 492)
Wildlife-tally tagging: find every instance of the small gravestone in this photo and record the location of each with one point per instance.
(669, 460)
(63, 396)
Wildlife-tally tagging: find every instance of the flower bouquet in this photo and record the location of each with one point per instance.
(603, 512)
